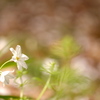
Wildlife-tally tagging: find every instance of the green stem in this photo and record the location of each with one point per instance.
(5, 63)
(44, 89)
(21, 93)
(21, 88)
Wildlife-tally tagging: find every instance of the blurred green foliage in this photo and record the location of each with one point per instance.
(65, 82)
(66, 48)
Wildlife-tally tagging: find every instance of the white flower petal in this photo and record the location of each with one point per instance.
(6, 81)
(24, 64)
(50, 65)
(2, 79)
(18, 57)
(13, 51)
(14, 59)
(10, 76)
(5, 73)
(18, 50)
(24, 57)
(19, 65)
(5, 76)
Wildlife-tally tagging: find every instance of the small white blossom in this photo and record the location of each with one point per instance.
(5, 76)
(18, 57)
(50, 65)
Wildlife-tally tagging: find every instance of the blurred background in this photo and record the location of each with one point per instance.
(65, 30)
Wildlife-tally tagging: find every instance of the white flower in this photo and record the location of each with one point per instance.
(18, 57)
(5, 76)
(50, 65)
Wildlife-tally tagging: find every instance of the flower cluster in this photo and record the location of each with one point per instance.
(49, 66)
(19, 59)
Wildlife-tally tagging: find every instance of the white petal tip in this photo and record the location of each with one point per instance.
(11, 49)
(18, 46)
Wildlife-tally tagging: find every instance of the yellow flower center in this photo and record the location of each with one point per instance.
(17, 58)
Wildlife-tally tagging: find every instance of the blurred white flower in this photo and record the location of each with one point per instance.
(18, 57)
(5, 76)
(49, 65)
(83, 67)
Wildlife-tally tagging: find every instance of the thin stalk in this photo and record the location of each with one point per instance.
(63, 76)
(44, 89)
(5, 63)
(21, 93)
(21, 88)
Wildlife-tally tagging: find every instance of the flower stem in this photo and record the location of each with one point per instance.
(21, 93)
(5, 63)
(44, 89)
(21, 89)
